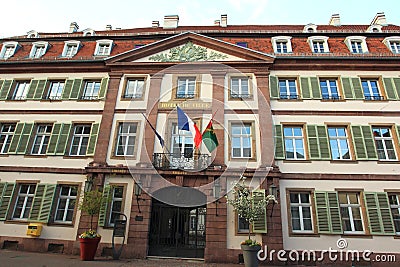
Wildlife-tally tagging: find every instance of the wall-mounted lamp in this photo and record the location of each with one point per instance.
(138, 191)
(89, 184)
(216, 194)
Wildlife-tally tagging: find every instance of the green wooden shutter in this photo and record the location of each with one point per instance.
(32, 89)
(63, 139)
(103, 88)
(37, 202)
(5, 200)
(76, 89)
(39, 93)
(323, 142)
(315, 88)
(318, 144)
(396, 82)
(347, 90)
(5, 92)
(15, 139)
(328, 212)
(67, 89)
(55, 133)
(391, 93)
(273, 87)
(104, 205)
(357, 88)
(24, 140)
(47, 202)
(260, 224)
(93, 139)
(305, 88)
(1, 85)
(364, 143)
(279, 146)
(379, 215)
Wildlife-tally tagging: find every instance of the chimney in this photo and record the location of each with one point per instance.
(335, 20)
(217, 22)
(73, 27)
(171, 21)
(108, 27)
(379, 19)
(155, 24)
(224, 20)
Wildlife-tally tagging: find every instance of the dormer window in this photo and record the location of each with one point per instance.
(8, 49)
(319, 44)
(32, 34)
(375, 28)
(356, 44)
(393, 43)
(88, 32)
(310, 28)
(71, 48)
(38, 49)
(282, 44)
(103, 48)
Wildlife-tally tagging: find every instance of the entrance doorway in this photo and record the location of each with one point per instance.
(177, 231)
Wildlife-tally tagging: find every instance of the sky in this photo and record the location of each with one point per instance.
(56, 16)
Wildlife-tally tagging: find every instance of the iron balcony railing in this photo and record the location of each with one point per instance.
(189, 161)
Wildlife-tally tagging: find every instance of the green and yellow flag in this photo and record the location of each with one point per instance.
(209, 137)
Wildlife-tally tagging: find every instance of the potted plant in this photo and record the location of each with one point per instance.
(89, 240)
(248, 208)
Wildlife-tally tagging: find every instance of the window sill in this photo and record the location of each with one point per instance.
(290, 100)
(4, 155)
(345, 161)
(59, 224)
(244, 234)
(396, 237)
(366, 236)
(11, 221)
(76, 157)
(132, 98)
(35, 156)
(296, 161)
(123, 157)
(88, 100)
(305, 234)
(388, 162)
(243, 159)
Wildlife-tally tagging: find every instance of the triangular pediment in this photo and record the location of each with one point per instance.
(190, 47)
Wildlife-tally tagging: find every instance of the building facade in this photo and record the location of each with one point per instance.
(308, 113)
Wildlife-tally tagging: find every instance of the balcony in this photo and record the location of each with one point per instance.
(190, 161)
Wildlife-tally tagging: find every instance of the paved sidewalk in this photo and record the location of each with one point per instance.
(11, 258)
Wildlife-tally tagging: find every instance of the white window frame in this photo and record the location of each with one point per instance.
(287, 87)
(338, 139)
(383, 140)
(68, 44)
(81, 151)
(372, 95)
(26, 196)
(89, 92)
(185, 142)
(329, 87)
(389, 40)
(373, 27)
(32, 34)
(349, 39)
(350, 211)
(88, 32)
(242, 136)
(293, 138)
(6, 131)
(128, 135)
(133, 85)
(99, 44)
(21, 90)
(113, 200)
(300, 205)
(283, 39)
(8, 46)
(68, 198)
(395, 206)
(43, 46)
(240, 93)
(60, 88)
(186, 93)
(320, 39)
(309, 26)
(42, 139)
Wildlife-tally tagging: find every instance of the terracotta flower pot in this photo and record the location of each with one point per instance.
(88, 248)
(250, 255)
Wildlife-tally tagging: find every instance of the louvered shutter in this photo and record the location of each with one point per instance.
(42, 201)
(104, 205)
(273, 87)
(369, 142)
(386, 213)
(5, 200)
(76, 89)
(103, 88)
(305, 88)
(279, 146)
(347, 90)
(67, 89)
(315, 88)
(93, 139)
(334, 213)
(32, 89)
(63, 139)
(1, 85)
(5, 92)
(55, 133)
(378, 212)
(396, 82)
(363, 143)
(24, 140)
(260, 224)
(37, 202)
(39, 93)
(357, 88)
(318, 144)
(15, 139)
(391, 93)
(328, 212)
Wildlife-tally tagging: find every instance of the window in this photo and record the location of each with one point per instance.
(384, 143)
(134, 88)
(394, 200)
(282, 44)
(116, 204)
(350, 211)
(300, 212)
(310, 28)
(186, 87)
(243, 225)
(126, 140)
(21, 90)
(23, 204)
(242, 139)
(242, 44)
(318, 47)
(338, 143)
(294, 144)
(42, 138)
(91, 91)
(55, 90)
(395, 47)
(371, 90)
(182, 142)
(6, 134)
(319, 44)
(393, 43)
(38, 49)
(80, 140)
(240, 87)
(103, 47)
(329, 89)
(8, 49)
(287, 89)
(356, 47)
(356, 44)
(66, 204)
(71, 48)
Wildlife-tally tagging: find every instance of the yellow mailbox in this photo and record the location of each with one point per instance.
(34, 229)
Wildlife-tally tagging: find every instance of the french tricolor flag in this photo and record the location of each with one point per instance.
(185, 123)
